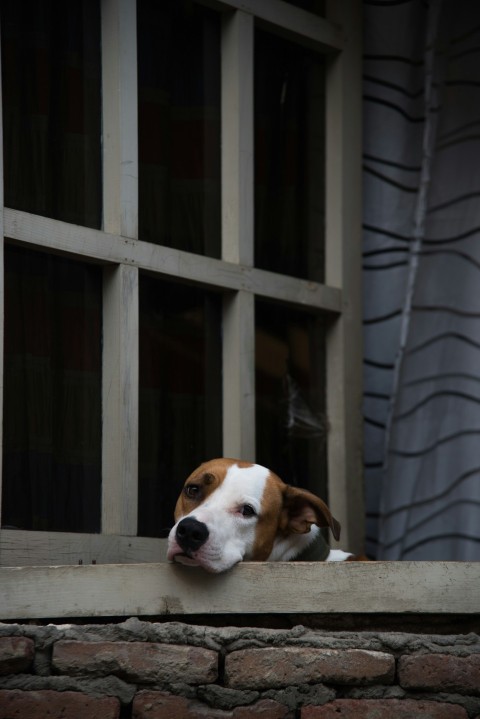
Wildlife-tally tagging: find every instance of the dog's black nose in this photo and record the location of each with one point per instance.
(191, 534)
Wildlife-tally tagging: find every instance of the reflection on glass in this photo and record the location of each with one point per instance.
(51, 108)
(180, 394)
(290, 395)
(52, 393)
(289, 158)
(179, 125)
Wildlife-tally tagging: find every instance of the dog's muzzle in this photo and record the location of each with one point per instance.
(191, 534)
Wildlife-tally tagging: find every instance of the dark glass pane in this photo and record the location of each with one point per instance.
(52, 393)
(51, 108)
(179, 125)
(180, 394)
(290, 395)
(289, 158)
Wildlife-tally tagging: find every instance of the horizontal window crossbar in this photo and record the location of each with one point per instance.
(105, 248)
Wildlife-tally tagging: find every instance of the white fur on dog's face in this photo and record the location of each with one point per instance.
(248, 513)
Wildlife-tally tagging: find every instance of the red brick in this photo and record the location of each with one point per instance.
(383, 709)
(161, 705)
(137, 661)
(16, 654)
(440, 672)
(280, 667)
(56, 705)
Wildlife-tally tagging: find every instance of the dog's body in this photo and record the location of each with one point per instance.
(231, 511)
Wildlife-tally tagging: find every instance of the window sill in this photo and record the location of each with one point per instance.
(110, 590)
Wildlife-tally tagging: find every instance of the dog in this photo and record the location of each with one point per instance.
(231, 511)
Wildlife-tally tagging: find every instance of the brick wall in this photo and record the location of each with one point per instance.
(147, 670)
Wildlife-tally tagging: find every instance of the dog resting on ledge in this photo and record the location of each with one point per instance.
(231, 511)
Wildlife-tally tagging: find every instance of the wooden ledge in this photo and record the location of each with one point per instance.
(111, 590)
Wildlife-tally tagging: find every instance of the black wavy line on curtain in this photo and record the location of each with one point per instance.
(396, 108)
(444, 336)
(445, 375)
(386, 233)
(391, 163)
(456, 253)
(435, 395)
(378, 365)
(446, 309)
(423, 522)
(386, 251)
(457, 238)
(394, 58)
(432, 447)
(440, 537)
(388, 180)
(374, 422)
(393, 86)
(376, 395)
(383, 318)
(421, 502)
(454, 201)
(459, 141)
(458, 129)
(424, 253)
(390, 266)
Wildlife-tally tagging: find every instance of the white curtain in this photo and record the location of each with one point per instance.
(422, 278)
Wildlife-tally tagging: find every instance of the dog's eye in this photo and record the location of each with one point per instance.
(192, 491)
(247, 510)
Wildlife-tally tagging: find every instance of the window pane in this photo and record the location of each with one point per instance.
(179, 125)
(51, 108)
(289, 158)
(290, 395)
(180, 394)
(52, 393)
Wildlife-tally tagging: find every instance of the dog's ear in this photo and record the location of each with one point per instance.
(301, 509)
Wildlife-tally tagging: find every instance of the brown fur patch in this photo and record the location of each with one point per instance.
(208, 477)
(267, 527)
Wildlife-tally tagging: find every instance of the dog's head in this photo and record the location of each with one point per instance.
(231, 511)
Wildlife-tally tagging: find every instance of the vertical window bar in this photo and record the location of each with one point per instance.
(120, 132)
(2, 293)
(120, 303)
(342, 270)
(237, 233)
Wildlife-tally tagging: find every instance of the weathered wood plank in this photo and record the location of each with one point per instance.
(19, 548)
(159, 589)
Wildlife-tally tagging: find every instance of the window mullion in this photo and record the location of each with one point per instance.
(120, 295)
(343, 271)
(2, 293)
(120, 400)
(120, 134)
(237, 233)
(237, 138)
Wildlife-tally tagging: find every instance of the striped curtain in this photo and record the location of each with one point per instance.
(422, 278)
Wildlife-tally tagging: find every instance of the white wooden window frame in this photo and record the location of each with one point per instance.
(105, 590)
